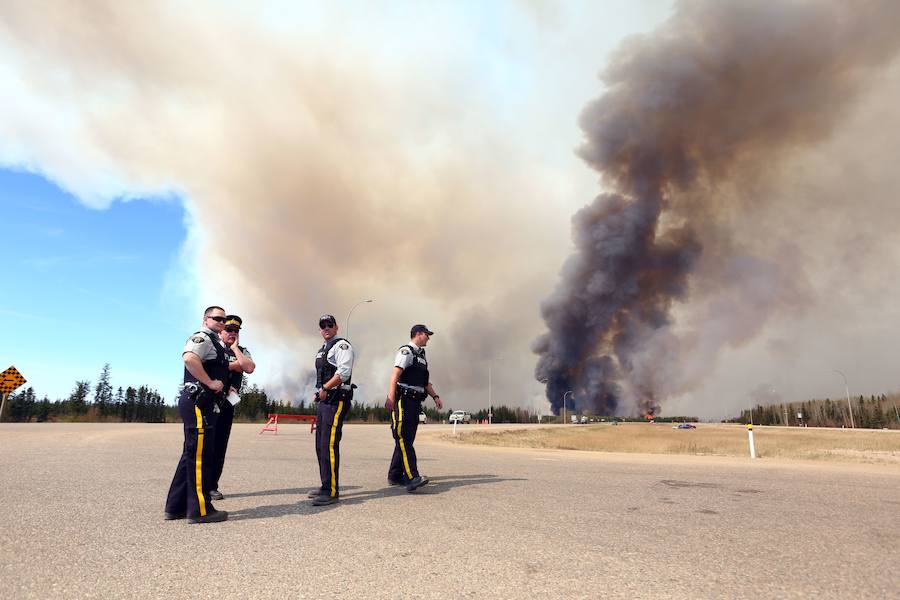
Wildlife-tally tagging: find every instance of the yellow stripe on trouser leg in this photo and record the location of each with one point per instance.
(334, 425)
(400, 437)
(199, 462)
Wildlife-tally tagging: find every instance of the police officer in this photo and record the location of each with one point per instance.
(239, 362)
(410, 385)
(205, 374)
(334, 367)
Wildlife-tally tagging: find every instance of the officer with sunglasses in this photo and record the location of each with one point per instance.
(239, 362)
(334, 367)
(205, 374)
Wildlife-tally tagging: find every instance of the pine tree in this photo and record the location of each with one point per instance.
(103, 392)
(877, 415)
(863, 414)
(130, 404)
(42, 410)
(78, 398)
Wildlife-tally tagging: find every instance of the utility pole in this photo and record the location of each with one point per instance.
(564, 406)
(847, 389)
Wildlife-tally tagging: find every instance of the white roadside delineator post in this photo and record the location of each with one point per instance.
(752, 445)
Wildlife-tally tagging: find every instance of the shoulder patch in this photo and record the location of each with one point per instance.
(404, 350)
(344, 346)
(198, 339)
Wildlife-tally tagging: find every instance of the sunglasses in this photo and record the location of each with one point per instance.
(232, 329)
(217, 319)
(326, 325)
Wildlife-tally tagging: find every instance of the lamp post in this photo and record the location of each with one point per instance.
(564, 405)
(351, 312)
(847, 389)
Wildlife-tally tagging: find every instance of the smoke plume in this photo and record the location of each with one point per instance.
(696, 119)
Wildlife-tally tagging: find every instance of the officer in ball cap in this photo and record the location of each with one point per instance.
(205, 374)
(239, 362)
(334, 368)
(410, 385)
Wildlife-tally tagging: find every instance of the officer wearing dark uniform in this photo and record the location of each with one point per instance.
(239, 362)
(334, 368)
(410, 385)
(205, 373)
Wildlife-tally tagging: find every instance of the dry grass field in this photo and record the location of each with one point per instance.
(868, 446)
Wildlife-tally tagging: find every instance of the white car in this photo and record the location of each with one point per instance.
(460, 416)
(422, 418)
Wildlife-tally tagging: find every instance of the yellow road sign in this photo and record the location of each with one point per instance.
(10, 379)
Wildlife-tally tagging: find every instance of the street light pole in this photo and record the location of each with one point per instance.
(564, 405)
(847, 389)
(351, 312)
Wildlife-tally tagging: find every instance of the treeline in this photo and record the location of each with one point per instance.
(100, 403)
(876, 412)
(85, 403)
(141, 405)
(255, 405)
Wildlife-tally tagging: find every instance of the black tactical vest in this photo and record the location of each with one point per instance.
(324, 369)
(416, 374)
(216, 368)
(235, 378)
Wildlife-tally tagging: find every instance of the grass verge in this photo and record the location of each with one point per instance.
(707, 440)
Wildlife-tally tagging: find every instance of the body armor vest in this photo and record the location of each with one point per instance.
(216, 368)
(235, 379)
(416, 374)
(324, 369)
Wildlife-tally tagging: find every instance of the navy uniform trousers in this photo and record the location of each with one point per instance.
(189, 492)
(404, 424)
(329, 426)
(224, 419)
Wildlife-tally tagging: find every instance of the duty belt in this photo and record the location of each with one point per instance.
(414, 388)
(343, 386)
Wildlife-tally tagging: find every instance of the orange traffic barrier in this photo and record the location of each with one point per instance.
(272, 423)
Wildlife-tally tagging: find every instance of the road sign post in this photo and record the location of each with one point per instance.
(10, 379)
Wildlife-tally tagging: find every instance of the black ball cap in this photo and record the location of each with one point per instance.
(419, 329)
(233, 322)
(328, 320)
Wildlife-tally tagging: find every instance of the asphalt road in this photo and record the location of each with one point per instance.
(81, 516)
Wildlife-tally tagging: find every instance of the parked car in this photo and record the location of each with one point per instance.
(422, 418)
(460, 416)
(684, 426)
(584, 420)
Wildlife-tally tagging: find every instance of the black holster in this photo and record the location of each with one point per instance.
(203, 398)
(339, 395)
(405, 393)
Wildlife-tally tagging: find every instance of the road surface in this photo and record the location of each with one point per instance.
(81, 516)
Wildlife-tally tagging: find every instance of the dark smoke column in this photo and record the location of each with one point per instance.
(713, 96)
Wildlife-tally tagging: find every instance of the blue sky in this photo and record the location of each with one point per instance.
(84, 286)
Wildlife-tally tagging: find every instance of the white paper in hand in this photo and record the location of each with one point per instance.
(233, 397)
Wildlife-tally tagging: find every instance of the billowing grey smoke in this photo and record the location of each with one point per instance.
(693, 115)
